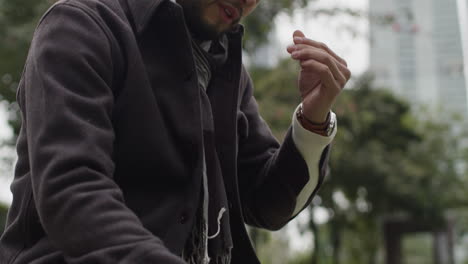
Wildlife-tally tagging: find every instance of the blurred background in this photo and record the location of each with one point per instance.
(397, 191)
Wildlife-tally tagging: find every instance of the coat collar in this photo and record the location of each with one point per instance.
(142, 11)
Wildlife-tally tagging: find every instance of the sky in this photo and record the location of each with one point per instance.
(462, 12)
(331, 31)
(6, 172)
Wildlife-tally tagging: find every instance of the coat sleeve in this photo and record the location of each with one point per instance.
(66, 102)
(273, 176)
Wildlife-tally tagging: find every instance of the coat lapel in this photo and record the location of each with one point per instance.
(224, 96)
(167, 54)
(141, 12)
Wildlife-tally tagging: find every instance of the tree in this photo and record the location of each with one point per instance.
(18, 20)
(385, 161)
(388, 162)
(3, 217)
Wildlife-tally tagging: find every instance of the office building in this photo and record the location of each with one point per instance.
(416, 51)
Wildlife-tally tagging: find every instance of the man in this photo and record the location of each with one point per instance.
(141, 139)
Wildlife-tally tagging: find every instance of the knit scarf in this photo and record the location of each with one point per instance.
(210, 239)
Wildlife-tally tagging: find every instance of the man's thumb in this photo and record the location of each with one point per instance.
(299, 34)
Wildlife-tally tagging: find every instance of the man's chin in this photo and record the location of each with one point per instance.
(208, 32)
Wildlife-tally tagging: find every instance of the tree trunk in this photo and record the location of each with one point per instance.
(315, 230)
(335, 237)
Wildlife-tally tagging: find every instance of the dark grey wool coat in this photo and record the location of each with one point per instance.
(110, 150)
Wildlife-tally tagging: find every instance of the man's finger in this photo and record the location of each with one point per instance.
(323, 72)
(319, 45)
(298, 34)
(342, 67)
(305, 52)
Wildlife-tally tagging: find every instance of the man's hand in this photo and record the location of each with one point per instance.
(323, 75)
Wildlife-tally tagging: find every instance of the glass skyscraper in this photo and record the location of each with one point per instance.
(416, 51)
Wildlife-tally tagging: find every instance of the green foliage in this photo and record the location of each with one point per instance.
(385, 161)
(277, 95)
(398, 163)
(303, 258)
(271, 248)
(260, 23)
(418, 247)
(3, 216)
(18, 20)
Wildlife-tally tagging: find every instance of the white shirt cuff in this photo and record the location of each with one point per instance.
(311, 147)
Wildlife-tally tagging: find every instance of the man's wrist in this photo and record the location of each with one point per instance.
(313, 114)
(323, 129)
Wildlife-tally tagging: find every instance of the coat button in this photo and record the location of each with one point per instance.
(183, 218)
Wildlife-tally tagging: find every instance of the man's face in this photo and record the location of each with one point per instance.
(207, 19)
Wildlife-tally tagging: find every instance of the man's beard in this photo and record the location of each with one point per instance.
(200, 29)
